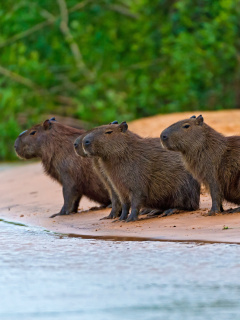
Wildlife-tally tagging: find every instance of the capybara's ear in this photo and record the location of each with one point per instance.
(47, 124)
(53, 119)
(123, 126)
(199, 120)
(194, 117)
(114, 122)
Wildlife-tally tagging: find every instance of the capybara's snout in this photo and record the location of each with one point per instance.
(75, 144)
(79, 146)
(16, 143)
(164, 136)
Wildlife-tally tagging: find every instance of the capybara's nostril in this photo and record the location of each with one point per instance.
(87, 142)
(75, 144)
(164, 137)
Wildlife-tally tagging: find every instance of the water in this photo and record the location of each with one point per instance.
(47, 276)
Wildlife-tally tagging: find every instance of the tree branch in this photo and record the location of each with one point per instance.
(50, 20)
(38, 90)
(79, 6)
(26, 33)
(123, 10)
(17, 78)
(70, 40)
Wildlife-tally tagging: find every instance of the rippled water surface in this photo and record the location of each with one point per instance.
(47, 276)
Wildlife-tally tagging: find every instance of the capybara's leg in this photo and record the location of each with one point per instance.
(133, 215)
(135, 207)
(125, 211)
(216, 199)
(72, 198)
(116, 207)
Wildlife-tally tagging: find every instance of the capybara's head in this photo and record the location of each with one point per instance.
(78, 142)
(102, 141)
(184, 134)
(29, 143)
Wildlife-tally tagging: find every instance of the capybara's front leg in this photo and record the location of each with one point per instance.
(116, 207)
(133, 215)
(135, 204)
(216, 199)
(125, 211)
(72, 198)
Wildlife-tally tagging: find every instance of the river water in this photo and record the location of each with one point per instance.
(48, 276)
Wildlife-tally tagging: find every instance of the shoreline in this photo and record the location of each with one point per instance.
(29, 197)
(32, 205)
(115, 238)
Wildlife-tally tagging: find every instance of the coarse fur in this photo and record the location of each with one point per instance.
(52, 142)
(142, 173)
(212, 158)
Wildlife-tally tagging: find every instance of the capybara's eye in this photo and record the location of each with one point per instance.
(109, 131)
(186, 126)
(32, 133)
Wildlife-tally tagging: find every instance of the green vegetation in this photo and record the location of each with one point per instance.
(100, 60)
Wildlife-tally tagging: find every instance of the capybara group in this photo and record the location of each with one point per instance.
(212, 158)
(52, 142)
(142, 173)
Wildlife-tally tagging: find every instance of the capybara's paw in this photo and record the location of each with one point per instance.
(145, 211)
(123, 217)
(107, 217)
(212, 213)
(118, 220)
(132, 218)
(56, 214)
(231, 210)
(96, 208)
(168, 212)
(154, 213)
(61, 213)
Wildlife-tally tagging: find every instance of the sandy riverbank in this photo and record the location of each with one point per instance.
(30, 197)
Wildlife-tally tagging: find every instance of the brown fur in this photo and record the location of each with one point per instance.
(212, 158)
(52, 142)
(142, 173)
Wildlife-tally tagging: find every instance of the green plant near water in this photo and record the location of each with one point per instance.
(104, 60)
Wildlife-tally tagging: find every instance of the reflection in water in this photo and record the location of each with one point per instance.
(45, 276)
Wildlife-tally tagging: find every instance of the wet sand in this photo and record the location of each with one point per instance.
(28, 196)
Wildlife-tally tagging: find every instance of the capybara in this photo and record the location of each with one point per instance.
(99, 168)
(212, 158)
(52, 142)
(143, 174)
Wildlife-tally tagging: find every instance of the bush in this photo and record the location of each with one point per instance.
(104, 60)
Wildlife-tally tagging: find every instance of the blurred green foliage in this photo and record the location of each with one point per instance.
(103, 60)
